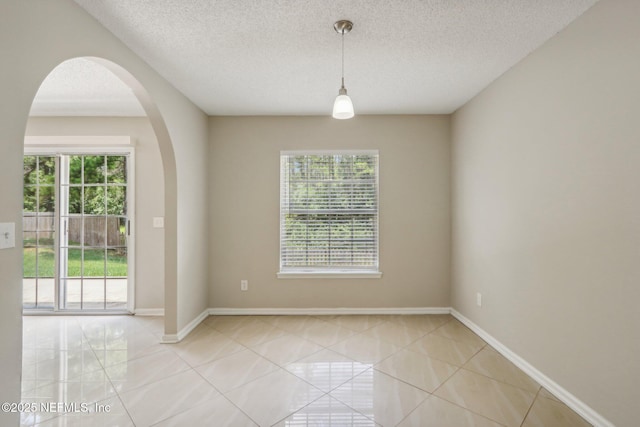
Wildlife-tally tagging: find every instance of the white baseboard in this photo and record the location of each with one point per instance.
(169, 339)
(558, 391)
(182, 333)
(149, 312)
(324, 311)
(175, 338)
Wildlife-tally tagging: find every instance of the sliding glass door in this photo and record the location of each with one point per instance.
(87, 267)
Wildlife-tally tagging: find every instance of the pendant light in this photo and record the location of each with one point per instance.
(343, 107)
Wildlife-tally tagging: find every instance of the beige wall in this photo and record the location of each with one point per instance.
(36, 36)
(149, 192)
(546, 220)
(193, 215)
(414, 210)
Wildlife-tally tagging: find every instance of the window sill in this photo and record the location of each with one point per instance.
(316, 274)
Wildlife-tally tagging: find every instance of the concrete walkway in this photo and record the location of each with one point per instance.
(91, 290)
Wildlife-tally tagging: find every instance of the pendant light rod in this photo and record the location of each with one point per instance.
(343, 107)
(343, 27)
(342, 58)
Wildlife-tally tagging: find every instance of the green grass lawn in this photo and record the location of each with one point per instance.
(93, 263)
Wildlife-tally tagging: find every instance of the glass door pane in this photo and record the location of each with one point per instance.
(93, 266)
(39, 232)
(117, 226)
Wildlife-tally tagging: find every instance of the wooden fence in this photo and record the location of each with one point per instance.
(95, 229)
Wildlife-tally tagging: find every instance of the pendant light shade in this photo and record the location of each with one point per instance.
(342, 106)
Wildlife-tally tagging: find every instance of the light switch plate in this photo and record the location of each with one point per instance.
(158, 222)
(7, 235)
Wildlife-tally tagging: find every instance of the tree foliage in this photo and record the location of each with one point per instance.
(97, 184)
(39, 183)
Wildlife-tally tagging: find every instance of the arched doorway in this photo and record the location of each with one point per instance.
(168, 167)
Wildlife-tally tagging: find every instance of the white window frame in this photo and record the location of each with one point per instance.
(331, 273)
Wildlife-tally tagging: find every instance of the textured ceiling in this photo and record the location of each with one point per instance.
(80, 87)
(256, 57)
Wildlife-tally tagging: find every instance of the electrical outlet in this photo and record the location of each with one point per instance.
(244, 285)
(479, 299)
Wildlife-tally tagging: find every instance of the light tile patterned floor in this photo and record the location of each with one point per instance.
(278, 371)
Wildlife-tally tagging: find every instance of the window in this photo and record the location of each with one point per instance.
(329, 214)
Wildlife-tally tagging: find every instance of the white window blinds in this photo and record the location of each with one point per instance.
(329, 211)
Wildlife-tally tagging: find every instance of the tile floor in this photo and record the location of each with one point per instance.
(278, 371)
